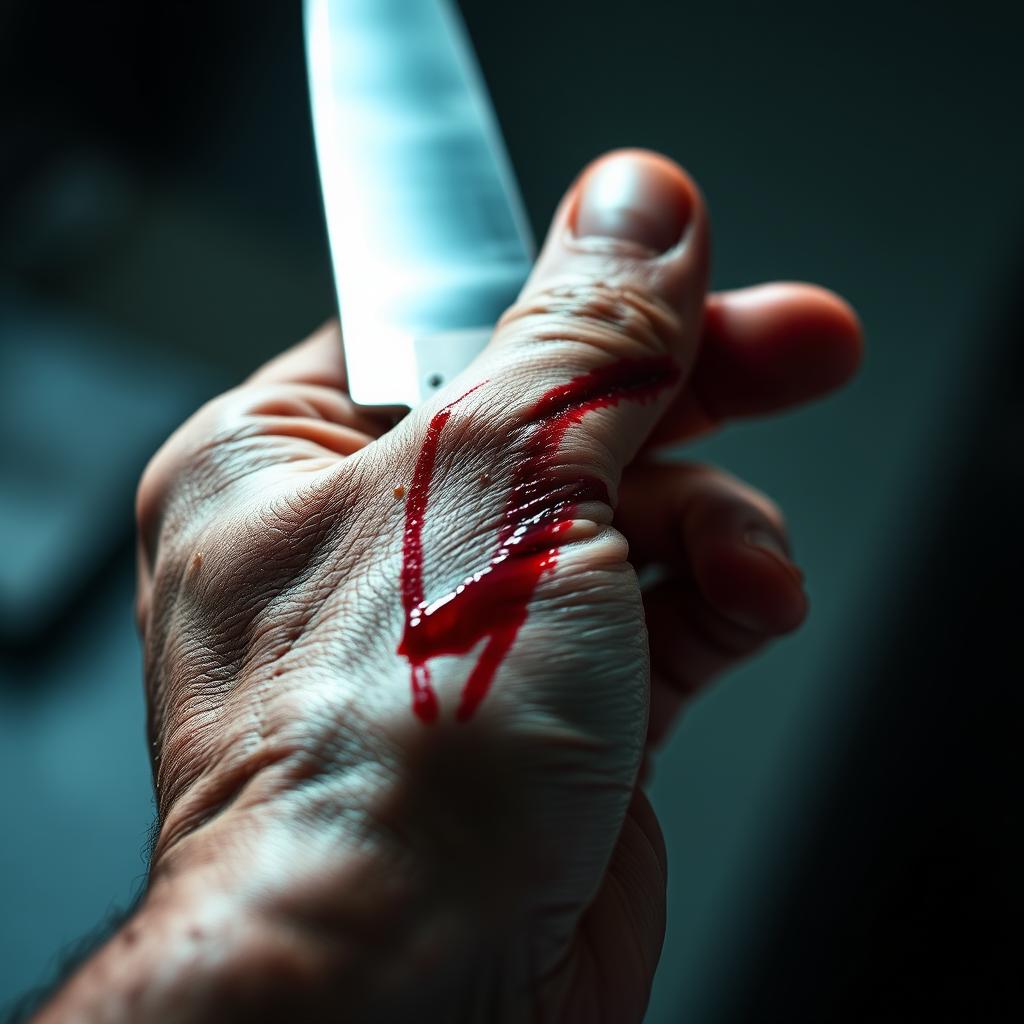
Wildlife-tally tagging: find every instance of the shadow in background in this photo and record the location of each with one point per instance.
(905, 899)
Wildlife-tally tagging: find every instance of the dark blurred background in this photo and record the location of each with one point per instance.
(843, 815)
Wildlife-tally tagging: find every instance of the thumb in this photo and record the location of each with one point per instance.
(606, 329)
(579, 371)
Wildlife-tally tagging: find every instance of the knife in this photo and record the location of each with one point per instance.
(428, 237)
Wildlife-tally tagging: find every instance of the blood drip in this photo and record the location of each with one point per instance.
(492, 603)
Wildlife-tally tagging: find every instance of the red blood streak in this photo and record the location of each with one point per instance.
(492, 603)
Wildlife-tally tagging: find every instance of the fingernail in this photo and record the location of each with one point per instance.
(766, 540)
(636, 197)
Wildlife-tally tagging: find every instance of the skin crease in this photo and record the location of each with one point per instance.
(492, 603)
(325, 854)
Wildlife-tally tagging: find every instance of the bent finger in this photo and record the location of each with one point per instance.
(764, 349)
(691, 644)
(727, 583)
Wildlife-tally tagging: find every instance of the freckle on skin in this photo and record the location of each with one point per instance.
(400, 491)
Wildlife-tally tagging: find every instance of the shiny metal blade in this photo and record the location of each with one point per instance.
(427, 232)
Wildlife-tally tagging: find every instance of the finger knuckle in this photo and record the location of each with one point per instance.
(598, 314)
(763, 505)
(732, 490)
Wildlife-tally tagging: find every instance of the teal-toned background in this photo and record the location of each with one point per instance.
(161, 232)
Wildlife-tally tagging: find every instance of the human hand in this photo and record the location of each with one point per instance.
(380, 794)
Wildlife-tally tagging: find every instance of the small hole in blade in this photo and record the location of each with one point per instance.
(435, 380)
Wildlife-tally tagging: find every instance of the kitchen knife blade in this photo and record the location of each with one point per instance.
(428, 236)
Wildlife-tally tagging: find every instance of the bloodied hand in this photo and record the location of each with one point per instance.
(403, 682)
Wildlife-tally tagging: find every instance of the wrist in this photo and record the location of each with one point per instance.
(176, 958)
(281, 935)
(298, 903)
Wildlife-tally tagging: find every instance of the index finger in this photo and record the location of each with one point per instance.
(764, 349)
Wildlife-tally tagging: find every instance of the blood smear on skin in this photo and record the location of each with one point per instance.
(491, 604)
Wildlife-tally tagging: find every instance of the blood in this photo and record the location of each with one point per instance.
(491, 604)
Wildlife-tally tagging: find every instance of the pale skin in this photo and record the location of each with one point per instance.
(322, 853)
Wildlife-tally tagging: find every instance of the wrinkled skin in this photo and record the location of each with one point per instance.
(280, 714)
